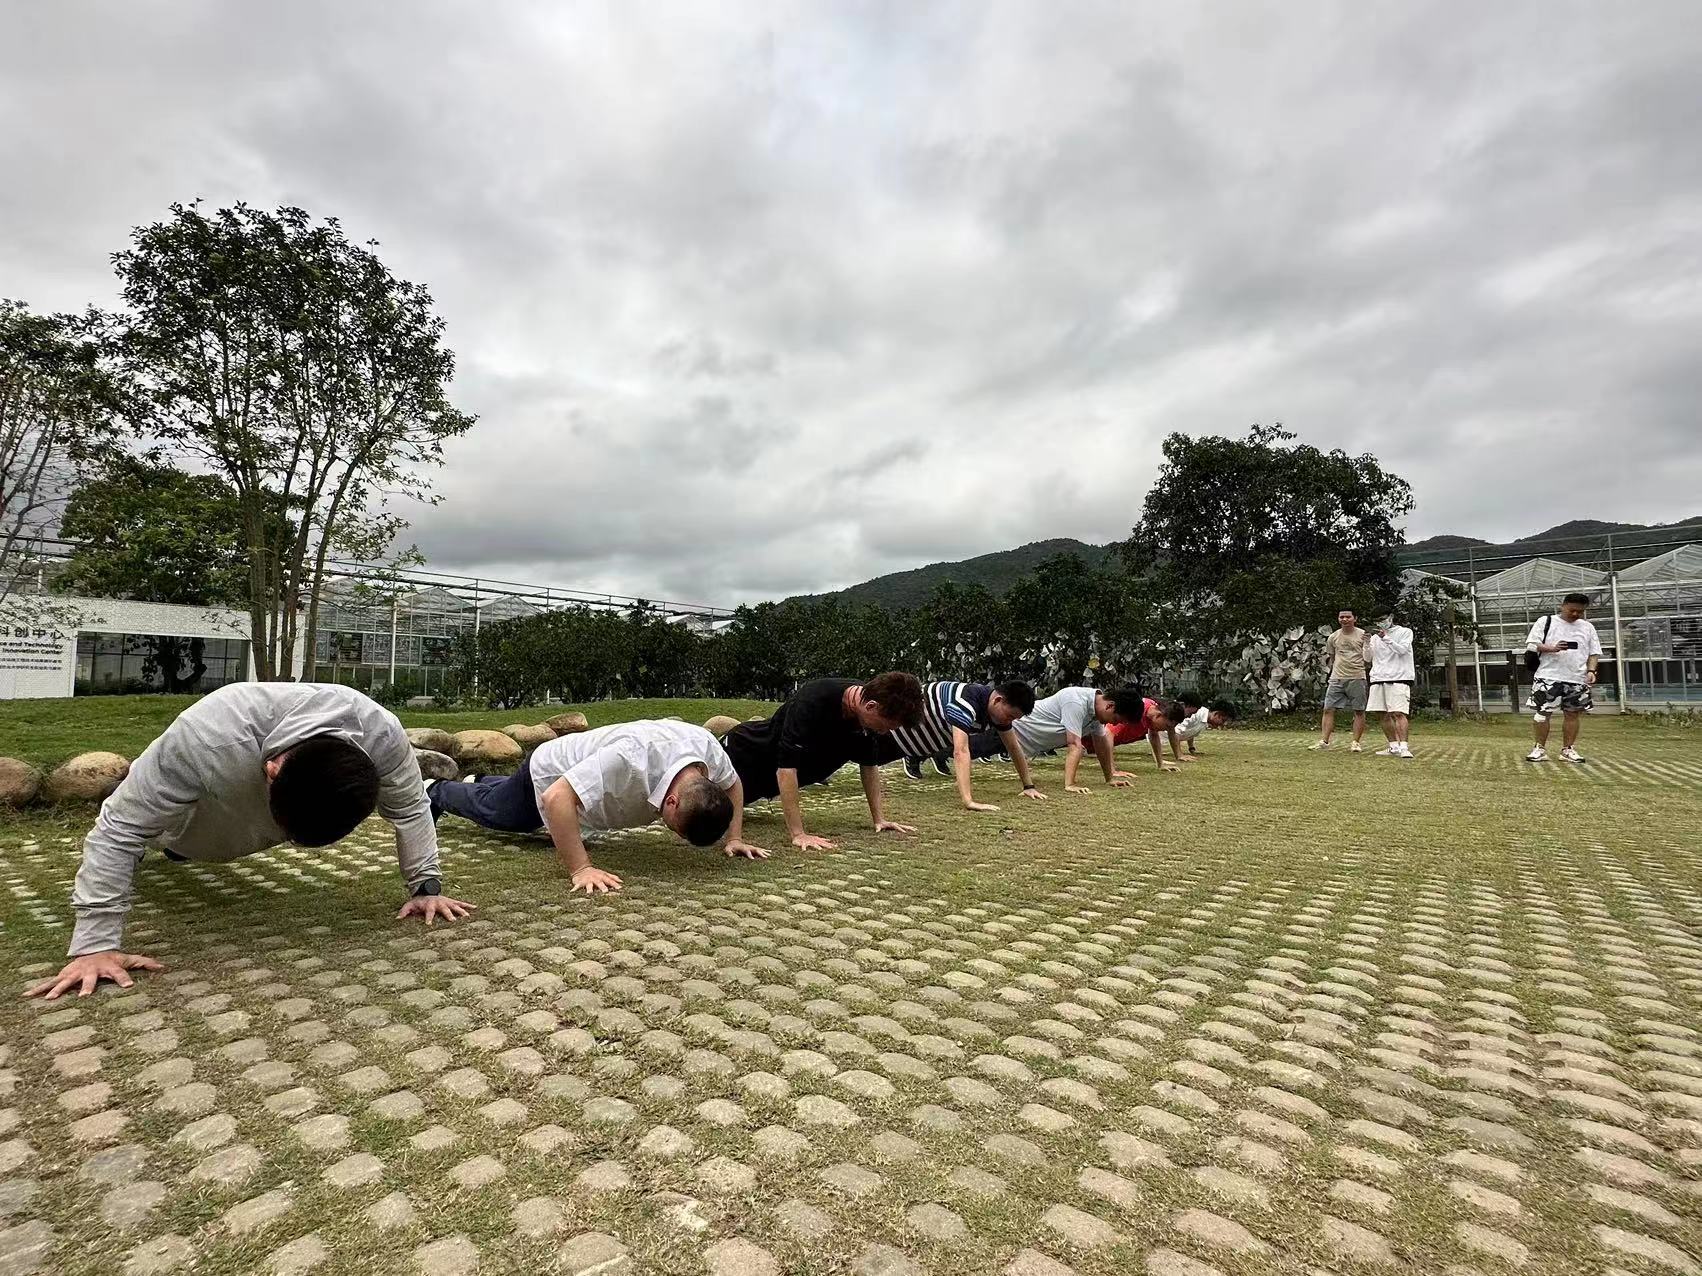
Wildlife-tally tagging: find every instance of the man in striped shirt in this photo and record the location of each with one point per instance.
(952, 712)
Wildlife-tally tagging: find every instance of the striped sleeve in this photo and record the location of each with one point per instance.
(957, 708)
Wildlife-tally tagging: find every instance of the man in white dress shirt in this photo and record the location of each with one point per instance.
(245, 768)
(1567, 651)
(619, 777)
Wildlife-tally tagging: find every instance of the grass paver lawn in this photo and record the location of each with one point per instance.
(1280, 1012)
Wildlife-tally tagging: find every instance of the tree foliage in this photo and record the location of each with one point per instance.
(155, 534)
(281, 356)
(1241, 541)
(58, 399)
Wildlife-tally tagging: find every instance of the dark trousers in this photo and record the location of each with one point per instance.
(985, 744)
(501, 802)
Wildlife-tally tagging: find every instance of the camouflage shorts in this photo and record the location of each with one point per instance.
(1570, 697)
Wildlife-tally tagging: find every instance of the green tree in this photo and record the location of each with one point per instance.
(155, 534)
(58, 399)
(291, 362)
(964, 632)
(1071, 622)
(1247, 538)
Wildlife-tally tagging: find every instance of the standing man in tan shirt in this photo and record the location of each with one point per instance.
(1345, 652)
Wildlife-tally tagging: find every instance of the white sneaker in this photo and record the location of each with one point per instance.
(1356, 748)
(1322, 744)
(1406, 750)
(1571, 754)
(1388, 751)
(1538, 754)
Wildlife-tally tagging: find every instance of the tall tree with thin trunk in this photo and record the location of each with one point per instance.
(58, 397)
(290, 361)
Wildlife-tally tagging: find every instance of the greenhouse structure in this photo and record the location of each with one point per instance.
(1648, 613)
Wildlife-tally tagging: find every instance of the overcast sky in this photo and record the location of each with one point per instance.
(762, 298)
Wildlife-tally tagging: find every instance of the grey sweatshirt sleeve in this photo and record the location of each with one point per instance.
(402, 800)
(162, 784)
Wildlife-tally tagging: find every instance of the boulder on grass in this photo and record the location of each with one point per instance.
(480, 749)
(20, 782)
(436, 766)
(567, 723)
(88, 777)
(720, 725)
(433, 739)
(528, 738)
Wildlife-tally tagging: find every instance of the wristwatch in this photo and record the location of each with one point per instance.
(431, 886)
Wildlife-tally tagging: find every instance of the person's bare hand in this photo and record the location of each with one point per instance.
(1590, 678)
(593, 880)
(85, 973)
(1036, 794)
(431, 907)
(1118, 782)
(743, 850)
(1190, 757)
(979, 806)
(1168, 766)
(1078, 788)
(810, 842)
(893, 826)
(1124, 775)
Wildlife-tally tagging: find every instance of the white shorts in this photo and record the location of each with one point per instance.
(1389, 697)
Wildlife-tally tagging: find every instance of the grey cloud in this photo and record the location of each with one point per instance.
(772, 301)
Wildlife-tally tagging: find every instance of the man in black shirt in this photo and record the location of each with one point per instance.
(824, 724)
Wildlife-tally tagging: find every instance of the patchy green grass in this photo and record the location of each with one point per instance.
(46, 732)
(1280, 1011)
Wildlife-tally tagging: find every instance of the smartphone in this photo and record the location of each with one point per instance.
(1570, 646)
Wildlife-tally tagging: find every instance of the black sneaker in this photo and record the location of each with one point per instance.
(913, 768)
(941, 767)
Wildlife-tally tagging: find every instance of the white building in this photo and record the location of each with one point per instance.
(95, 645)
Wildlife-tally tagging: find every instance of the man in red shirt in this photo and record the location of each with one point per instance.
(1159, 718)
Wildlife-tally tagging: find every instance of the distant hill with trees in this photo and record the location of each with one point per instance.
(997, 572)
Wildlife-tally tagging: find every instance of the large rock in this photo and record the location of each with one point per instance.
(486, 749)
(20, 782)
(88, 777)
(720, 724)
(435, 765)
(567, 723)
(526, 737)
(433, 739)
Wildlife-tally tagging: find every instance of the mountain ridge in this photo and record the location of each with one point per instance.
(999, 570)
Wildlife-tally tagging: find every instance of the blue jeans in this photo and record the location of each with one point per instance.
(502, 802)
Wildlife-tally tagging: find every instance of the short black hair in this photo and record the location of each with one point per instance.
(898, 694)
(1226, 708)
(324, 789)
(706, 812)
(1129, 703)
(1172, 711)
(1190, 699)
(1019, 695)
(1583, 600)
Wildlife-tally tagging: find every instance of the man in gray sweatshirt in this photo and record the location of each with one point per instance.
(247, 767)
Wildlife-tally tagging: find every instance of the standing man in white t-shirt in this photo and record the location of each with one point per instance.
(1392, 676)
(1568, 651)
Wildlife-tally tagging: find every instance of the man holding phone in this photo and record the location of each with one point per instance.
(1567, 651)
